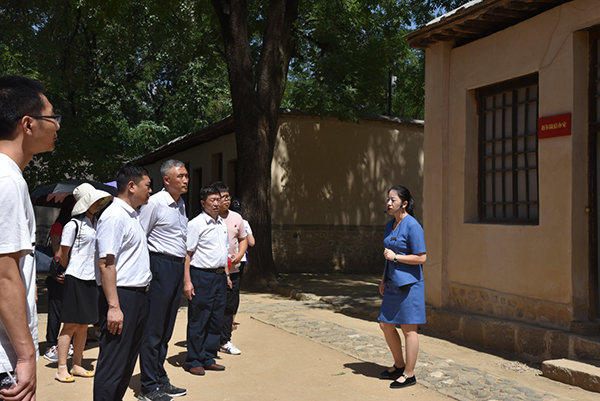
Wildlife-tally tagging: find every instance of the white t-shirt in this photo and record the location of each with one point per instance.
(83, 260)
(17, 225)
(119, 233)
(208, 240)
(249, 232)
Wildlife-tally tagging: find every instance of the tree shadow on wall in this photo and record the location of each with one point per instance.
(329, 172)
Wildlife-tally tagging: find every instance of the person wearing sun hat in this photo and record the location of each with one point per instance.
(80, 297)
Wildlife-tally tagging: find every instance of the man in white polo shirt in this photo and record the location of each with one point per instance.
(165, 223)
(205, 283)
(124, 277)
(28, 126)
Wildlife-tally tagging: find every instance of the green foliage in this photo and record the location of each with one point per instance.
(343, 50)
(347, 51)
(129, 76)
(145, 137)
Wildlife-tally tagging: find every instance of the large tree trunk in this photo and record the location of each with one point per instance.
(256, 102)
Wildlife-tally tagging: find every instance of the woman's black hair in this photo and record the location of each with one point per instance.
(405, 195)
(236, 205)
(65, 210)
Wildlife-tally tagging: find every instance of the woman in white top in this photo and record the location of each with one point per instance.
(80, 297)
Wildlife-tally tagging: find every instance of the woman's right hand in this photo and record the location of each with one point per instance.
(60, 278)
(382, 287)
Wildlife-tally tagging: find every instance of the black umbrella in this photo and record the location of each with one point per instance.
(52, 195)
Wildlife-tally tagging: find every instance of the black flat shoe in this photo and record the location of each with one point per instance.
(408, 381)
(394, 374)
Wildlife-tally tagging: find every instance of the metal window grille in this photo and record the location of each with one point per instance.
(508, 152)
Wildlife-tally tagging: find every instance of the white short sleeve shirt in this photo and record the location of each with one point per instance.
(165, 223)
(119, 233)
(209, 242)
(84, 258)
(17, 225)
(249, 232)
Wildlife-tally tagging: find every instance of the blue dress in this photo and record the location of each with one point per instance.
(404, 297)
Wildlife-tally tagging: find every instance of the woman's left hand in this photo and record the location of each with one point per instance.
(389, 254)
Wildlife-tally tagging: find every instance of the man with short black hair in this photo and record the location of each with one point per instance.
(123, 281)
(238, 245)
(28, 126)
(165, 223)
(205, 283)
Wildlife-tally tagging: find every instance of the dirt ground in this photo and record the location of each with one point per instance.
(279, 365)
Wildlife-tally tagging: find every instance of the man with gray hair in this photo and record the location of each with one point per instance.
(165, 223)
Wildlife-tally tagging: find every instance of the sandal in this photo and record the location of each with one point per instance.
(87, 373)
(68, 379)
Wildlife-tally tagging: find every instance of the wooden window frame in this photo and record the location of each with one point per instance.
(503, 201)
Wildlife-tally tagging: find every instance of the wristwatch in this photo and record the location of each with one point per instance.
(395, 257)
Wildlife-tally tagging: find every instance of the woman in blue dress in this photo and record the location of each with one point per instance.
(402, 286)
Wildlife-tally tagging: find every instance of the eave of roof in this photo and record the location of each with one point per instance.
(187, 141)
(225, 126)
(477, 19)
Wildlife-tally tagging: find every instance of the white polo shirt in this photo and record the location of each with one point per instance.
(84, 258)
(17, 225)
(119, 233)
(208, 240)
(166, 224)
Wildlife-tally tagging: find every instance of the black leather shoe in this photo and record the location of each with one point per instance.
(394, 374)
(408, 381)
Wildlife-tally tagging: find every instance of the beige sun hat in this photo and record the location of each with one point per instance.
(86, 195)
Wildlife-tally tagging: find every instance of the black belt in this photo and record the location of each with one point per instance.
(168, 257)
(135, 289)
(218, 270)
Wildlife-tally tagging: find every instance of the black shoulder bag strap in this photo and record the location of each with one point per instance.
(75, 238)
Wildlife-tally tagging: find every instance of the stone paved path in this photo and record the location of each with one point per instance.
(444, 375)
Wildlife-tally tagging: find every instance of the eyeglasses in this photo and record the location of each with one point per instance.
(55, 117)
(225, 197)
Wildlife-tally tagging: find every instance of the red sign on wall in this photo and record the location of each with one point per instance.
(553, 126)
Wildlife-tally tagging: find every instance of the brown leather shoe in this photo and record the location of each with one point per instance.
(215, 366)
(198, 370)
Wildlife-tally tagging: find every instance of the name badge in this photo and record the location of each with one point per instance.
(393, 239)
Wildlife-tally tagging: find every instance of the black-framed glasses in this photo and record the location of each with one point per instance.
(55, 117)
(225, 197)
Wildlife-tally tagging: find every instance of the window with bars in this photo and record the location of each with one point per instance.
(508, 152)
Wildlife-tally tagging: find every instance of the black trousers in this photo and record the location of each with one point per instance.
(162, 304)
(55, 296)
(231, 304)
(118, 353)
(205, 317)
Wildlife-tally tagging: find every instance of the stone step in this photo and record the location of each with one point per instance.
(584, 374)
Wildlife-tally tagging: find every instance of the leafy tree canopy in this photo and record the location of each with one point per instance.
(126, 76)
(130, 75)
